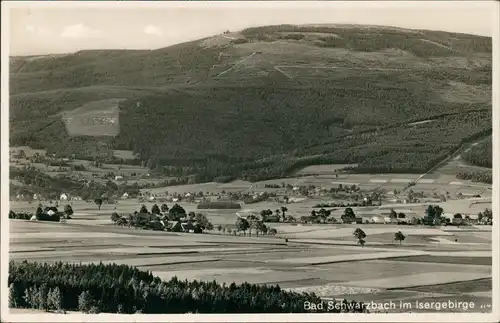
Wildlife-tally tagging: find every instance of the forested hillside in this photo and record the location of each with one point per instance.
(481, 154)
(266, 101)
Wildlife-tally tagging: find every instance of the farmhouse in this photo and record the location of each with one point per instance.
(63, 197)
(378, 219)
(244, 214)
(183, 227)
(118, 178)
(125, 195)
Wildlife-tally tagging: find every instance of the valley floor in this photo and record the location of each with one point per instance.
(334, 267)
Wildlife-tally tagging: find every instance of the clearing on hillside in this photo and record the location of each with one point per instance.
(97, 118)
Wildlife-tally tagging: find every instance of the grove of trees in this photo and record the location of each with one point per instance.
(124, 289)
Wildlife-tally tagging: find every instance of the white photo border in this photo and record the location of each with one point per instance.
(494, 316)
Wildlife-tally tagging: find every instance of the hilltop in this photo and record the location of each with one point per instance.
(263, 102)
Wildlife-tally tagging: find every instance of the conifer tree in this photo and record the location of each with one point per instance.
(56, 299)
(42, 297)
(27, 296)
(84, 302)
(13, 296)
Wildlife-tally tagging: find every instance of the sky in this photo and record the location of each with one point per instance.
(52, 28)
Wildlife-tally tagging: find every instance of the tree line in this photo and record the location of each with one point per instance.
(124, 289)
(476, 176)
(480, 154)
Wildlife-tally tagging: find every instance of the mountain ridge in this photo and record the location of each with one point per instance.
(286, 90)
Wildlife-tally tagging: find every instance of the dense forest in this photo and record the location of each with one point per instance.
(124, 289)
(183, 118)
(480, 154)
(482, 177)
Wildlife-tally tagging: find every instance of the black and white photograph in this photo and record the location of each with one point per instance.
(261, 161)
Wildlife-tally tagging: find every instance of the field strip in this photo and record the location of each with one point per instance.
(16, 249)
(400, 180)
(177, 245)
(334, 289)
(426, 181)
(443, 265)
(422, 279)
(61, 253)
(456, 183)
(480, 253)
(375, 180)
(69, 235)
(330, 235)
(305, 230)
(90, 221)
(345, 258)
(345, 183)
(345, 67)
(146, 250)
(334, 242)
(481, 294)
(157, 261)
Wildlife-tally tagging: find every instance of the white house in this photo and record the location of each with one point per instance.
(246, 213)
(118, 178)
(63, 197)
(378, 219)
(389, 220)
(125, 195)
(35, 197)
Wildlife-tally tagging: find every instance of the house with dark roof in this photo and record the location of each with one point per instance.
(180, 226)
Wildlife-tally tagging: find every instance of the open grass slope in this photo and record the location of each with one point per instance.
(270, 100)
